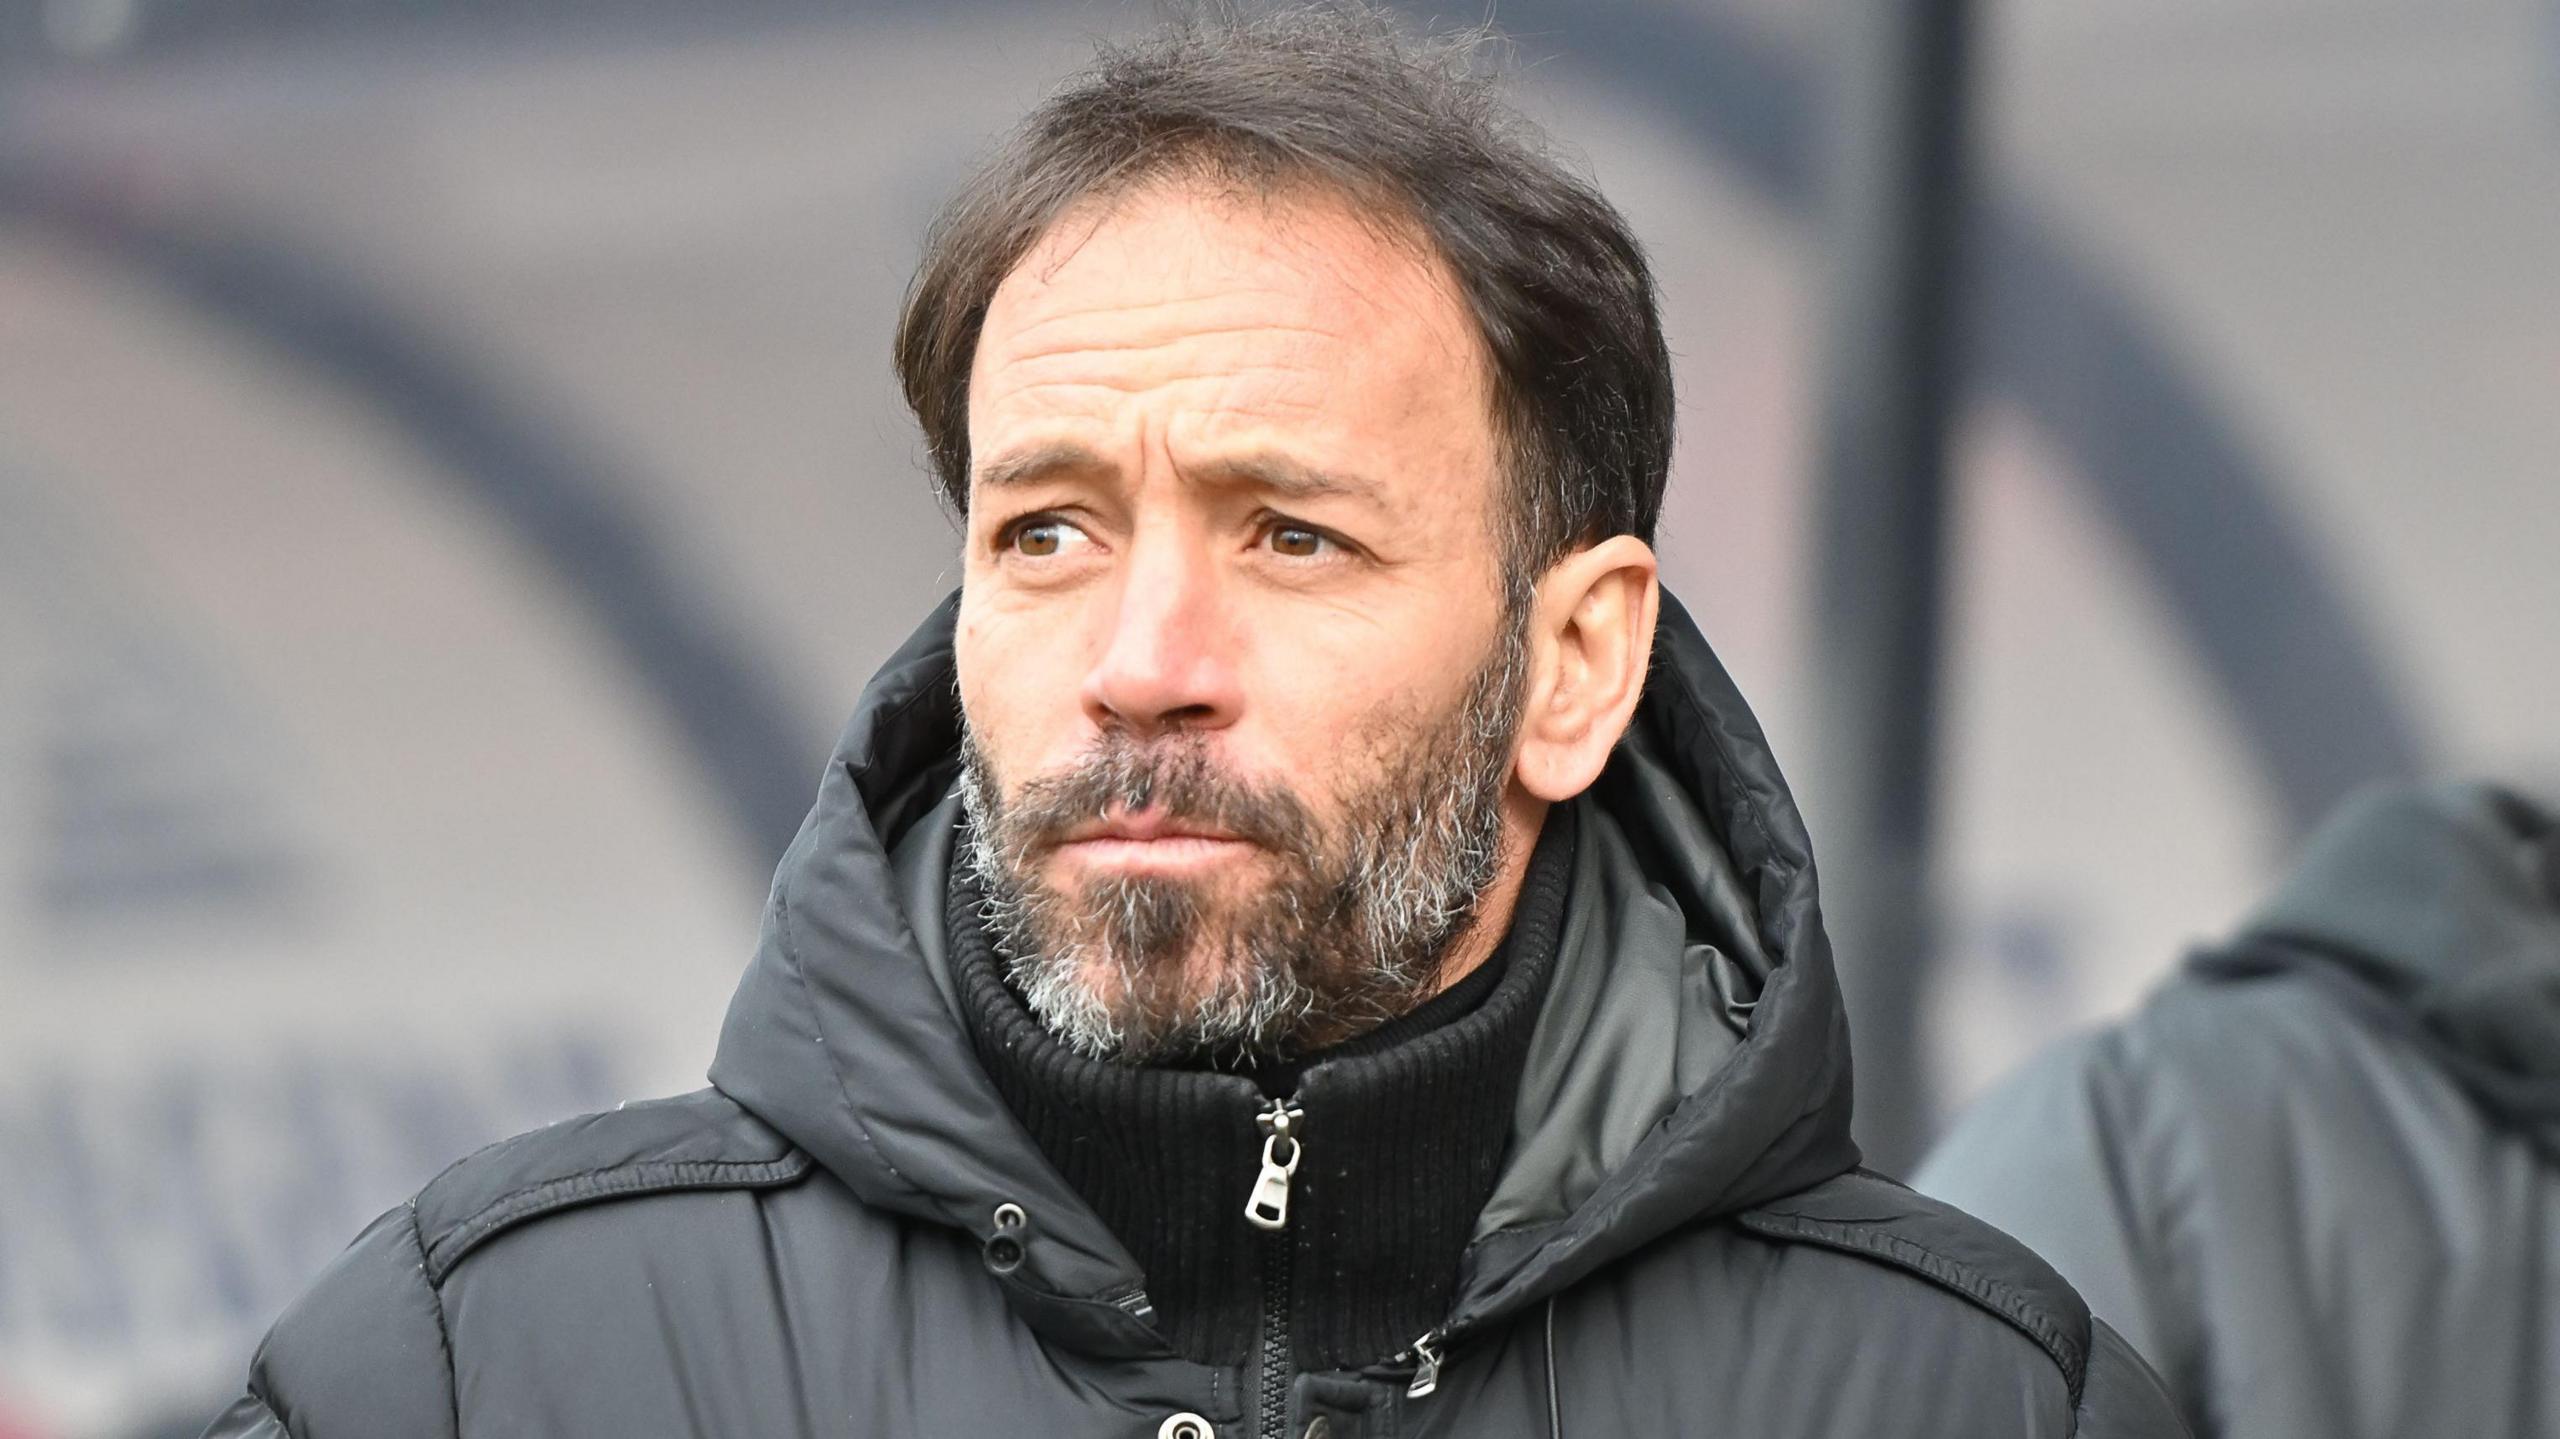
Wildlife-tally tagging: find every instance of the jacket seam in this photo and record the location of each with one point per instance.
(609, 1182)
(800, 978)
(2000, 1298)
(444, 1334)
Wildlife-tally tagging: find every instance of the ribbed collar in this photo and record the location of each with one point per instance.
(1403, 1141)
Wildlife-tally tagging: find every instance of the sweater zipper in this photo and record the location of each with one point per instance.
(1283, 1127)
(1267, 1209)
(1272, 1419)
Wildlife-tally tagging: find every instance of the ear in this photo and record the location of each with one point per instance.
(1590, 644)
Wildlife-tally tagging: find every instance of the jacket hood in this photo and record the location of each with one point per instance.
(1691, 1059)
(2438, 911)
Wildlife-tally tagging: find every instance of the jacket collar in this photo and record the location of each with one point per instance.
(1693, 907)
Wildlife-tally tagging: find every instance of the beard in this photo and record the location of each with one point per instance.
(1348, 934)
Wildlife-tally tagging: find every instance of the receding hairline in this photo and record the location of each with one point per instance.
(1379, 209)
(1390, 220)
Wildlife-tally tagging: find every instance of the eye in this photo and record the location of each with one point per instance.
(1297, 542)
(1040, 537)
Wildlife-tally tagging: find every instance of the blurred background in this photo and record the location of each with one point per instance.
(452, 488)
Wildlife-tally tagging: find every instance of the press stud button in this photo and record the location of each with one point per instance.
(1004, 1247)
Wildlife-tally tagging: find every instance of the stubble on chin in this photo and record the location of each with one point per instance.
(1139, 968)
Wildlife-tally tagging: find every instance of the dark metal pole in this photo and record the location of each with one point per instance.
(1894, 205)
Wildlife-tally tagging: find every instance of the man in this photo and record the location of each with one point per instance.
(2317, 1177)
(1306, 943)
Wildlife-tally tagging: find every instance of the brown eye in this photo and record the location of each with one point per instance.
(1040, 540)
(1297, 542)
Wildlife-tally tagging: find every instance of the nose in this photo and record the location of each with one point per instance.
(1168, 657)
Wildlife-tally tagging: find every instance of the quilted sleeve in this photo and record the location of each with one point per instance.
(362, 1354)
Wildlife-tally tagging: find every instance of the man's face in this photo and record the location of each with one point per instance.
(1239, 682)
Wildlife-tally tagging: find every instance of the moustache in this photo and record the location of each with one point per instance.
(1176, 778)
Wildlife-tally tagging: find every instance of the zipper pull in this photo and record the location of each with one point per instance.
(1426, 1366)
(1268, 1207)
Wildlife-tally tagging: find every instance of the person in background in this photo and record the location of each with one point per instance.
(1307, 943)
(2316, 1178)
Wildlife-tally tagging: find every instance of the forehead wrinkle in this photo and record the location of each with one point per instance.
(1017, 354)
(1264, 469)
(1279, 396)
(1143, 310)
(1096, 348)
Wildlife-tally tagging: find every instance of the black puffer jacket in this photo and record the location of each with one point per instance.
(850, 1234)
(2317, 1176)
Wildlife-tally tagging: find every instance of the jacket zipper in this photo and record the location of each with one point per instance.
(1426, 1364)
(1267, 1209)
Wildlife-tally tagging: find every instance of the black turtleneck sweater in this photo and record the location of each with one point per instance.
(1403, 1131)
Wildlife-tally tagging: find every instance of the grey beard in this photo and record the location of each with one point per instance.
(1351, 933)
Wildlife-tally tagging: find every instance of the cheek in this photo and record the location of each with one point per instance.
(977, 653)
(1018, 686)
(1337, 711)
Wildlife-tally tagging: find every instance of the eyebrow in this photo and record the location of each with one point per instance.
(1292, 479)
(1040, 461)
(1279, 474)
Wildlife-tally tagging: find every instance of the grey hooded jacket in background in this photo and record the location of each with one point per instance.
(1679, 1243)
(2316, 1178)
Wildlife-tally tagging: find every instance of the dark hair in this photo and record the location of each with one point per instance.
(1411, 128)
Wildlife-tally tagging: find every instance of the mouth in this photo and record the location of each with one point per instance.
(1152, 841)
